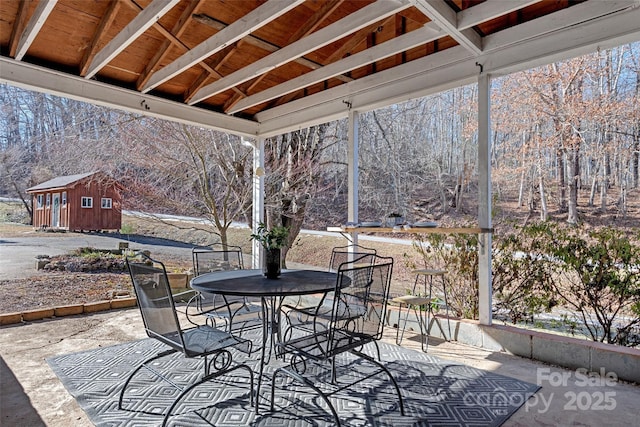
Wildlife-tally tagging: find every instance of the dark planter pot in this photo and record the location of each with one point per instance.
(272, 261)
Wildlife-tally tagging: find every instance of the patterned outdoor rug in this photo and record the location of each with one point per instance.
(436, 392)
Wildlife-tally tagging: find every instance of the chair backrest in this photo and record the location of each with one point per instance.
(155, 301)
(344, 254)
(361, 295)
(216, 258)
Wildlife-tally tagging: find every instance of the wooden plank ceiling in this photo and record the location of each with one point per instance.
(264, 67)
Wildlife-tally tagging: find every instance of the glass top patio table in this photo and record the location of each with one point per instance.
(252, 283)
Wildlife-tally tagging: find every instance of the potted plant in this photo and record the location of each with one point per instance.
(394, 219)
(272, 240)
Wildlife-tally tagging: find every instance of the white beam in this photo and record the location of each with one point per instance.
(399, 44)
(37, 20)
(257, 251)
(489, 10)
(442, 14)
(453, 67)
(485, 290)
(249, 23)
(141, 23)
(41, 79)
(353, 22)
(353, 139)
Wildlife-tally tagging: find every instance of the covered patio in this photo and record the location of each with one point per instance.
(261, 69)
(31, 394)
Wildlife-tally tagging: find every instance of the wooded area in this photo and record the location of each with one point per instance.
(566, 145)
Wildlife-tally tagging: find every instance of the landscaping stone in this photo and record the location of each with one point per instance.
(124, 303)
(40, 314)
(10, 318)
(68, 310)
(93, 307)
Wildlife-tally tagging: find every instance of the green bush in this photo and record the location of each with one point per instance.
(522, 275)
(458, 254)
(599, 280)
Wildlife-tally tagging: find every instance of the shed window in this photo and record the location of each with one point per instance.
(64, 198)
(106, 203)
(48, 199)
(40, 201)
(87, 202)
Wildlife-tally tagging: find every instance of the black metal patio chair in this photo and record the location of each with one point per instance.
(162, 323)
(357, 318)
(236, 314)
(314, 317)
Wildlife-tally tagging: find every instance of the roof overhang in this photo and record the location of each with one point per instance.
(554, 35)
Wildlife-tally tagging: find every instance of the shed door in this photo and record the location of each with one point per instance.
(55, 210)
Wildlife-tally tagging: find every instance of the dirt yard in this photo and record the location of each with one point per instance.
(43, 289)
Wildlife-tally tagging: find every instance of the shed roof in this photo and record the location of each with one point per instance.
(262, 68)
(60, 182)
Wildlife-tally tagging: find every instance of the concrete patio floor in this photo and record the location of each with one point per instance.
(31, 395)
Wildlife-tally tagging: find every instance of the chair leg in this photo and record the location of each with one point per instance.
(399, 335)
(446, 303)
(205, 379)
(142, 365)
(306, 382)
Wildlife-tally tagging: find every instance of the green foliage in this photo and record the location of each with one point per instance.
(273, 238)
(600, 280)
(126, 229)
(522, 277)
(458, 254)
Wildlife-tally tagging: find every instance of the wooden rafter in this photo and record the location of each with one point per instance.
(177, 31)
(308, 27)
(255, 19)
(130, 33)
(316, 20)
(361, 18)
(32, 28)
(402, 43)
(99, 35)
(262, 44)
(445, 17)
(19, 26)
(213, 64)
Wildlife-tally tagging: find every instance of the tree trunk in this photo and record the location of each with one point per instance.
(562, 185)
(573, 173)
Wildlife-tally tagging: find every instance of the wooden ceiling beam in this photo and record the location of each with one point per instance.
(129, 34)
(309, 26)
(407, 41)
(440, 13)
(18, 26)
(31, 30)
(177, 31)
(175, 41)
(489, 10)
(255, 19)
(211, 69)
(353, 22)
(314, 22)
(92, 49)
(262, 44)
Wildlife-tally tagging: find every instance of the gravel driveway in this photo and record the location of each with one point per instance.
(18, 254)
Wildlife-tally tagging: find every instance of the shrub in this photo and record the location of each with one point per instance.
(600, 280)
(522, 274)
(458, 254)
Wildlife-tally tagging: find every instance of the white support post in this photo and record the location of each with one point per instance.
(484, 198)
(257, 252)
(352, 172)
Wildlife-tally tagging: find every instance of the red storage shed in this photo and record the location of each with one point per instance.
(84, 202)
